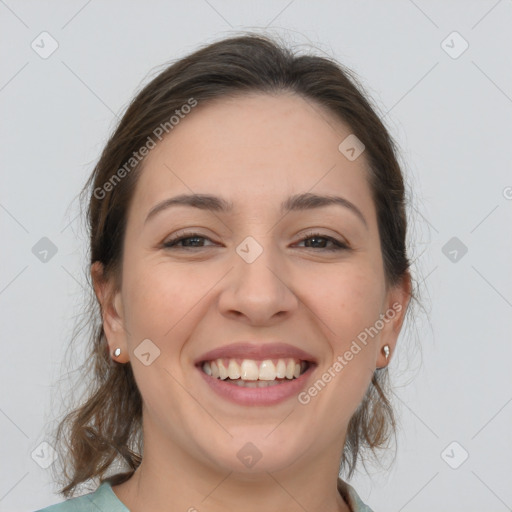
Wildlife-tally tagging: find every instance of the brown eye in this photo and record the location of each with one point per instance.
(319, 241)
(189, 240)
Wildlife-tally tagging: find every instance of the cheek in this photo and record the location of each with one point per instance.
(156, 296)
(359, 295)
(350, 302)
(351, 306)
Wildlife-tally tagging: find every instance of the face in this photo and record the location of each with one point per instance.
(308, 277)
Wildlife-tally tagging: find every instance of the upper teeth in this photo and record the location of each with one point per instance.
(250, 369)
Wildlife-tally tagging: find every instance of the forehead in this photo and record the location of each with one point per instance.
(253, 150)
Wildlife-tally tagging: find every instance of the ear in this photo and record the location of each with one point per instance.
(393, 315)
(110, 302)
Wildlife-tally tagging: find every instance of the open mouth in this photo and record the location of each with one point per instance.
(253, 373)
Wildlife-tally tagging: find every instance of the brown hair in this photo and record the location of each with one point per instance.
(106, 427)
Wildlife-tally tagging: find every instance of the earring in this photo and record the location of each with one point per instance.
(386, 351)
(117, 352)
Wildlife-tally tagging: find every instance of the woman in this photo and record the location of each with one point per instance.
(247, 233)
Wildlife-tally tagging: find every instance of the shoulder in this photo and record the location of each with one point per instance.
(101, 499)
(350, 495)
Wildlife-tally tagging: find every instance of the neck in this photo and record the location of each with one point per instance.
(145, 491)
(171, 480)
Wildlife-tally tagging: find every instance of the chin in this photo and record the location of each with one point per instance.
(254, 456)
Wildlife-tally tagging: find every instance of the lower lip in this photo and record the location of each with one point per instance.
(258, 396)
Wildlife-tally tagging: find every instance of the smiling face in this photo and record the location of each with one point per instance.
(258, 154)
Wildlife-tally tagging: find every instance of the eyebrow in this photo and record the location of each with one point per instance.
(298, 202)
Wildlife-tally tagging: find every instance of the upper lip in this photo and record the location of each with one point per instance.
(257, 351)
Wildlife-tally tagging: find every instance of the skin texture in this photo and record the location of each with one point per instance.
(255, 150)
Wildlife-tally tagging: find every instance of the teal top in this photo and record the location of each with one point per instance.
(105, 500)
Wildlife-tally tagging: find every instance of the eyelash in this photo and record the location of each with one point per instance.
(337, 244)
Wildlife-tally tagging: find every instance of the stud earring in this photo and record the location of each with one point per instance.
(117, 352)
(385, 348)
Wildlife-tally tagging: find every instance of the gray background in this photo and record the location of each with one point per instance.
(451, 115)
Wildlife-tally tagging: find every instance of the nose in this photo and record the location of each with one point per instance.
(259, 292)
